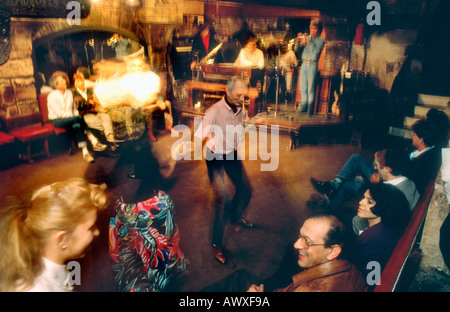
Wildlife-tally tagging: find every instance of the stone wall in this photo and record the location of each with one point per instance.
(152, 24)
(386, 54)
(17, 91)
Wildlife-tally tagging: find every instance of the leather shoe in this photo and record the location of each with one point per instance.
(325, 188)
(218, 255)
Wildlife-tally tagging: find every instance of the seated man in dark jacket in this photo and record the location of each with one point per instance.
(426, 160)
(319, 246)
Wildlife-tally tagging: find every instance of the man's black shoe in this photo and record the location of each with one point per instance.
(326, 188)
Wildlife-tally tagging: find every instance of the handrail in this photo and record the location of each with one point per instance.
(394, 267)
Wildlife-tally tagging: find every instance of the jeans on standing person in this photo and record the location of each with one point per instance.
(308, 81)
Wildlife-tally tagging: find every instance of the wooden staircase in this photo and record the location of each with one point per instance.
(424, 104)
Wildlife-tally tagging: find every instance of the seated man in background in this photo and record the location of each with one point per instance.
(251, 56)
(62, 112)
(426, 159)
(320, 247)
(429, 135)
(94, 119)
(389, 166)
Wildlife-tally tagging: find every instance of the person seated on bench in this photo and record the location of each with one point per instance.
(383, 215)
(63, 113)
(390, 166)
(320, 246)
(439, 120)
(251, 56)
(426, 159)
(94, 118)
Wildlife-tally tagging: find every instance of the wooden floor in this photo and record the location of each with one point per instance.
(277, 207)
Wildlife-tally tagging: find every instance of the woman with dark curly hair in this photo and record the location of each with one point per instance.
(382, 216)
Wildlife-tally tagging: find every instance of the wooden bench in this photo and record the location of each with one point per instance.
(27, 130)
(5, 138)
(396, 267)
(8, 151)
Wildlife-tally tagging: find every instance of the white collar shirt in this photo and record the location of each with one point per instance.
(396, 181)
(222, 128)
(83, 94)
(246, 58)
(54, 278)
(416, 153)
(61, 105)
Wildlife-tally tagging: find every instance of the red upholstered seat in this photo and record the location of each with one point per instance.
(5, 138)
(55, 130)
(32, 133)
(44, 112)
(43, 107)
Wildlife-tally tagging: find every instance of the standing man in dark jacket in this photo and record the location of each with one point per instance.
(203, 43)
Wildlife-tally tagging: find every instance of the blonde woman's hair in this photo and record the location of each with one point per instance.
(26, 228)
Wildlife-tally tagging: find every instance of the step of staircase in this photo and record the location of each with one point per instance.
(400, 132)
(425, 102)
(409, 121)
(434, 100)
(422, 110)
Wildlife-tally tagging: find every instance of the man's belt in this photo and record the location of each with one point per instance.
(307, 62)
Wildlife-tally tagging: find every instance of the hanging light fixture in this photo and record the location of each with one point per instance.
(133, 3)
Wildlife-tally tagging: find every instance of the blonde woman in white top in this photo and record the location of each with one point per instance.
(40, 238)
